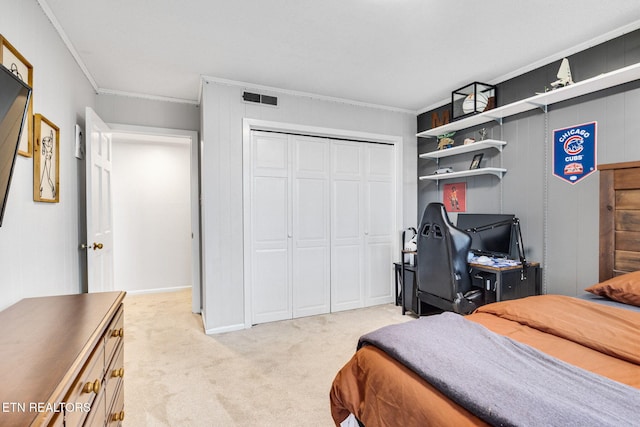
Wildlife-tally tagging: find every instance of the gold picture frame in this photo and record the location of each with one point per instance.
(46, 160)
(18, 65)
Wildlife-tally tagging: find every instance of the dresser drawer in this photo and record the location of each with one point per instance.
(116, 415)
(98, 412)
(114, 336)
(86, 387)
(115, 375)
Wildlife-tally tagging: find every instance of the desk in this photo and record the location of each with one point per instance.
(506, 283)
(407, 291)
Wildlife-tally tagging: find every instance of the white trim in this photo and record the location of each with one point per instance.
(123, 128)
(249, 125)
(158, 290)
(146, 96)
(254, 86)
(224, 329)
(65, 39)
(549, 59)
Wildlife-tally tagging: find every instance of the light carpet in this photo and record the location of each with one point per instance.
(274, 374)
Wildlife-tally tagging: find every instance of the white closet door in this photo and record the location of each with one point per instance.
(311, 242)
(322, 218)
(347, 228)
(379, 224)
(270, 207)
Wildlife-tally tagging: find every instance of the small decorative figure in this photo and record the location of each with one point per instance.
(445, 141)
(483, 133)
(564, 75)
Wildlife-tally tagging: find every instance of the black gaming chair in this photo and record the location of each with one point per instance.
(443, 271)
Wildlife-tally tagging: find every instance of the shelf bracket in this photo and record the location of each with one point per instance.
(497, 120)
(542, 106)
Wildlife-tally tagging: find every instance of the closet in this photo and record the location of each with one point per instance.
(321, 218)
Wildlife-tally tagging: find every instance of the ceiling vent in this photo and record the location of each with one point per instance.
(260, 99)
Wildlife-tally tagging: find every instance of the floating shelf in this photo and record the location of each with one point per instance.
(499, 172)
(594, 84)
(460, 149)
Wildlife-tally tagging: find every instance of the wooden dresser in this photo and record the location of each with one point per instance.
(62, 361)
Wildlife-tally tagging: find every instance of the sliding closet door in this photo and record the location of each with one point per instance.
(310, 213)
(379, 224)
(270, 207)
(347, 225)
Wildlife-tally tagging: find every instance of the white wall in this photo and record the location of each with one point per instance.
(151, 213)
(222, 111)
(39, 241)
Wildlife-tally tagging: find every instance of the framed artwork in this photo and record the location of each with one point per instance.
(18, 65)
(454, 197)
(46, 160)
(475, 163)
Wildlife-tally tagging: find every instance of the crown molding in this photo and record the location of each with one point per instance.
(255, 86)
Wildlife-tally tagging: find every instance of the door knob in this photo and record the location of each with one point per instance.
(94, 247)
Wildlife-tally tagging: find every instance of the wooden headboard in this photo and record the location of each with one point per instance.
(619, 219)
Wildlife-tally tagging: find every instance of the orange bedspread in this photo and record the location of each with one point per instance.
(382, 392)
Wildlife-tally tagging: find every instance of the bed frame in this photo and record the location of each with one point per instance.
(619, 219)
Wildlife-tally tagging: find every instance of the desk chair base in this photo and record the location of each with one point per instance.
(462, 304)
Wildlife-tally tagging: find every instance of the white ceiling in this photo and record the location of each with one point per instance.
(405, 54)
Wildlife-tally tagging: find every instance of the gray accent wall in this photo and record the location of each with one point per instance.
(560, 221)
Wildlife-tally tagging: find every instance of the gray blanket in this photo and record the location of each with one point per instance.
(502, 381)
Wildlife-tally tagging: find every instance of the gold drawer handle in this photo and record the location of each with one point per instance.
(118, 333)
(92, 387)
(118, 416)
(118, 373)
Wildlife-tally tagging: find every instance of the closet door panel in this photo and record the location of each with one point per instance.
(380, 220)
(347, 242)
(270, 292)
(311, 239)
(270, 251)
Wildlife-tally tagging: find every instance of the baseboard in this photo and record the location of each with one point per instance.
(158, 290)
(223, 329)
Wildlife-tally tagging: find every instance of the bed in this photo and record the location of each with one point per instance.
(540, 360)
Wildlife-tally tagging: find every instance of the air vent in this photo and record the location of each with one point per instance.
(260, 99)
(269, 100)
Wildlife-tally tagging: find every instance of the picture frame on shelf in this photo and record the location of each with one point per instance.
(11, 59)
(475, 163)
(46, 160)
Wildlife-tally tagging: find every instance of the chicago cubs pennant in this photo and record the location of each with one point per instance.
(574, 152)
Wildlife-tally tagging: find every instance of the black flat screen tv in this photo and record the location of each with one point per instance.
(488, 239)
(14, 100)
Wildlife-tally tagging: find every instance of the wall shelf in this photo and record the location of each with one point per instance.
(460, 149)
(499, 172)
(594, 84)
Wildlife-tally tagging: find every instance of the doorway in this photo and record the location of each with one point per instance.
(156, 210)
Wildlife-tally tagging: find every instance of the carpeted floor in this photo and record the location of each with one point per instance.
(274, 374)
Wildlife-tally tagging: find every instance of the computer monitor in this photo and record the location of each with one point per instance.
(491, 234)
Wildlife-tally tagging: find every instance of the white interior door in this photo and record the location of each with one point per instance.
(98, 155)
(310, 238)
(347, 227)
